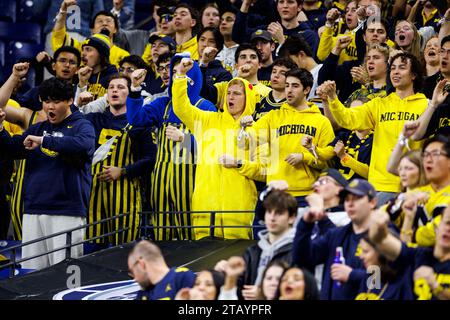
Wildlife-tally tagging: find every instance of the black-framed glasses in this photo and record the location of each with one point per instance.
(163, 68)
(433, 154)
(64, 61)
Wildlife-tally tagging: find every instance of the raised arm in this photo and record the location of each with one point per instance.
(439, 97)
(445, 27)
(357, 118)
(386, 243)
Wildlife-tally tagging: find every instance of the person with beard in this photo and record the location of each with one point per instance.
(93, 77)
(57, 178)
(173, 175)
(124, 155)
(263, 41)
(146, 265)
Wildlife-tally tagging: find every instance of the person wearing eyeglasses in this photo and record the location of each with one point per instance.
(422, 208)
(146, 265)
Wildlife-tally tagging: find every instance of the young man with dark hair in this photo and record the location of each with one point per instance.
(275, 242)
(247, 59)
(186, 23)
(128, 154)
(103, 21)
(277, 96)
(386, 116)
(427, 212)
(360, 202)
(226, 56)
(283, 130)
(263, 41)
(297, 49)
(93, 77)
(288, 25)
(58, 152)
(65, 64)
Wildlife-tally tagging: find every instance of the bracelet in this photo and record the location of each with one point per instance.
(123, 171)
(345, 158)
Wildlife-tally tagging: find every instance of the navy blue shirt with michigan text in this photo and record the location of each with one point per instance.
(168, 287)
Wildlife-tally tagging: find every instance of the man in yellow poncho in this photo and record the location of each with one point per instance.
(218, 188)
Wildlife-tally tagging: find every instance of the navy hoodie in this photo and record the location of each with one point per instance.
(57, 174)
(308, 253)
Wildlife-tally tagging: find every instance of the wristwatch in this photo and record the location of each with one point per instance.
(239, 164)
(123, 172)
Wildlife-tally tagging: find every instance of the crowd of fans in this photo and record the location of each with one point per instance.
(323, 124)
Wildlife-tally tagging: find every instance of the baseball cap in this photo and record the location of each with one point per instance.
(166, 39)
(261, 34)
(336, 175)
(165, 13)
(360, 188)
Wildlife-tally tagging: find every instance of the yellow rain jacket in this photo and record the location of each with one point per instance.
(386, 116)
(283, 130)
(61, 38)
(218, 188)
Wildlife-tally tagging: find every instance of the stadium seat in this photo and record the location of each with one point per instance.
(8, 10)
(26, 12)
(21, 50)
(2, 53)
(20, 31)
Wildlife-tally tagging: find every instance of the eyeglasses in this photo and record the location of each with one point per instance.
(128, 70)
(444, 52)
(166, 18)
(434, 154)
(163, 68)
(64, 61)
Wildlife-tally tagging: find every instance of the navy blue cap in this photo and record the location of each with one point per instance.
(360, 188)
(166, 39)
(336, 175)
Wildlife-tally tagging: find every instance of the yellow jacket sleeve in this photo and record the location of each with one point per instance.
(326, 44)
(360, 168)
(326, 153)
(147, 55)
(183, 108)
(61, 38)
(357, 118)
(426, 235)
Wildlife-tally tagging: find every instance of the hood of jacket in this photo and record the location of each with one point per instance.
(195, 77)
(270, 250)
(250, 98)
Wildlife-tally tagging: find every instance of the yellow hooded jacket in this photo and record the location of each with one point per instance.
(218, 188)
(386, 116)
(61, 38)
(283, 130)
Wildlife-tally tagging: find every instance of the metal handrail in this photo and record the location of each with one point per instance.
(11, 265)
